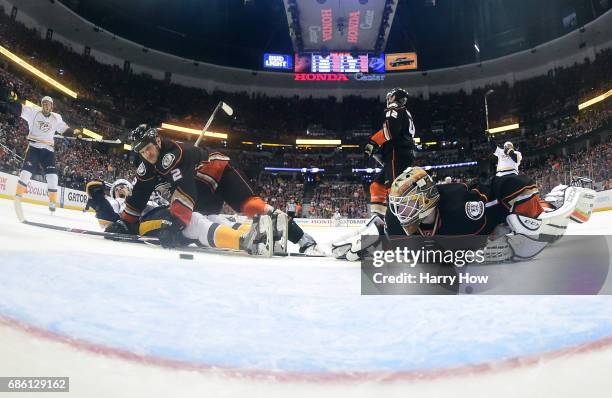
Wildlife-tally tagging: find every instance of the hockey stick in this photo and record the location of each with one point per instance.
(9, 150)
(217, 250)
(108, 235)
(221, 105)
(117, 141)
(134, 238)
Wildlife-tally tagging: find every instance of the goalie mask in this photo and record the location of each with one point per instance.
(413, 196)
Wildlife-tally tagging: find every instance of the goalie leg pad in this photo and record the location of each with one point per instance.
(525, 247)
(584, 207)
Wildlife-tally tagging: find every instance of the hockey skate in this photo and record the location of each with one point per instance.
(52, 207)
(309, 247)
(280, 222)
(258, 240)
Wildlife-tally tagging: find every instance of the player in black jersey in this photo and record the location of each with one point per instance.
(200, 182)
(514, 221)
(392, 147)
(420, 207)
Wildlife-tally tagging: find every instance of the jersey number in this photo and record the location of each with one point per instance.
(176, 175)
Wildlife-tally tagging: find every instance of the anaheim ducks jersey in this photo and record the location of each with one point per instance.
(398, 129)
(176, 166)
(41, 128)
(460, 211)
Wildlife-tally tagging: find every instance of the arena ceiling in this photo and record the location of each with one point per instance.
(237, 32)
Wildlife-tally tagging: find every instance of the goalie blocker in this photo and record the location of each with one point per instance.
(510, 214)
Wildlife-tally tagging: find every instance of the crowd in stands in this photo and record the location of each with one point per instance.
(348, 198)
(595, 164)
(113, 101)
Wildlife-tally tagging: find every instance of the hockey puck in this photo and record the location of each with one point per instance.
(186, 256)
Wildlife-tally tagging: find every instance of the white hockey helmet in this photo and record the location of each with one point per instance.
(508, 145)
(47, 99)
(120, 183)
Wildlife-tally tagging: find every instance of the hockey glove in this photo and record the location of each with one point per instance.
(371, 148)
(121, 227)
(5, 92)
(170, 234)
(95, 189)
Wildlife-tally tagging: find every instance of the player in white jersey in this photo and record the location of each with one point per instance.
(43, 124)
(336, 217)
(508, 160)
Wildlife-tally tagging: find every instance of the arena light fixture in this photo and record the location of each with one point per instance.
(501, 129)
(32, 104)
(313, 170)
(273, 144)
(350, 146)
(127, 147)
(310, 142)
(595, 100)
(92, 134)
(188, 130)
(4, 51)
(450, 166)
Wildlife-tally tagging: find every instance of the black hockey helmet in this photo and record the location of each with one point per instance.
(400, 96)
(141, 136)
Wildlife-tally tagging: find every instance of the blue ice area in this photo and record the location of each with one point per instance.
(281, 314)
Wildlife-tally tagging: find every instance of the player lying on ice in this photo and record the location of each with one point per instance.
(199, 183)
(518, 224)
(208, 231)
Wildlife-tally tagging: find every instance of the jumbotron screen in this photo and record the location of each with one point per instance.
(339, 62)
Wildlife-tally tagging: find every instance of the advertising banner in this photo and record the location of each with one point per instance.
(278, 61)
(401, 61)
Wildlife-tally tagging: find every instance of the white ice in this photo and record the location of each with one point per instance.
(281, 315)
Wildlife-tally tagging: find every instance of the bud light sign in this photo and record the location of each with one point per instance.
(276, 61)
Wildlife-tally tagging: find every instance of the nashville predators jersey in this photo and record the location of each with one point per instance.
(41, 128)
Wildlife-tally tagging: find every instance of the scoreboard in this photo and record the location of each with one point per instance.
(339, 62)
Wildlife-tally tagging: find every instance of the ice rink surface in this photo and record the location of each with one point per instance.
(123, 319)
